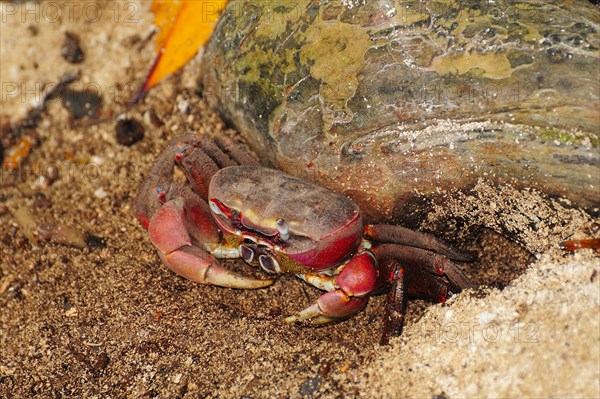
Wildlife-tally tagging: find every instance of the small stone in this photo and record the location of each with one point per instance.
(82, 103)
(69, 236)
(129, 131)
(51, 173)
(184, 106)
(33, 30)
(100, 193)
(310, 386)
(192, 386)
(448, 316)
(26, 222)
(72, 312)
(96, 160)
(95, 241)
(154, 119)
(71, 49)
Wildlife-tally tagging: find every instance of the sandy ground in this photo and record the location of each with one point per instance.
(97, 315)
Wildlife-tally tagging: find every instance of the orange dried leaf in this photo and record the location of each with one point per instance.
(185, 25)
(574, 245)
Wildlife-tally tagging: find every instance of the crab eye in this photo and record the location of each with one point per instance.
(220, 209)
(283, 228)
(214, 207)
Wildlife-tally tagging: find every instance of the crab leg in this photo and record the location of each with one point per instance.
(199, 168)
(331, 306)
(159, 182)
(235, 151)
(420, 259)
(395, 307)
(403, 236)
(205, 157)
(417, 273)
(210, 148)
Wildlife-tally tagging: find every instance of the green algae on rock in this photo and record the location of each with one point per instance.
(389, 101)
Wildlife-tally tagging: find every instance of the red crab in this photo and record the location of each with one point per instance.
(234, 208)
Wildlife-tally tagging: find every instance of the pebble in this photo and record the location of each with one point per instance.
(176, 378)
(51, 173)
(82, 103)
(448, 316)
(310, 386)
(184, 106)
(33, 30)
(35, 231)
(25, 221)
(96, 160)
(129, 131)
(71, 49)
(72, 312)
(95, 241)
(100, 193)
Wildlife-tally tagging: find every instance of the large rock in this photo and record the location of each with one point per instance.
(395, 101)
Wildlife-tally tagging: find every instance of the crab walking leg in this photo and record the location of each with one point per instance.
(403, 236)
(395, 307)
(348, 291)
(210, 148)
(199, 156)
(205, 157)
(236, 152)
(168, 231)
(199, 168)
(429, 262)
(159, 181)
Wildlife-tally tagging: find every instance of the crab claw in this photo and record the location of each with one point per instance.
(169, 230)
(331, 306)
(354, 283)
(199, 266)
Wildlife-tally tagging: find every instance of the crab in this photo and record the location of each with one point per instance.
(232, 207)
